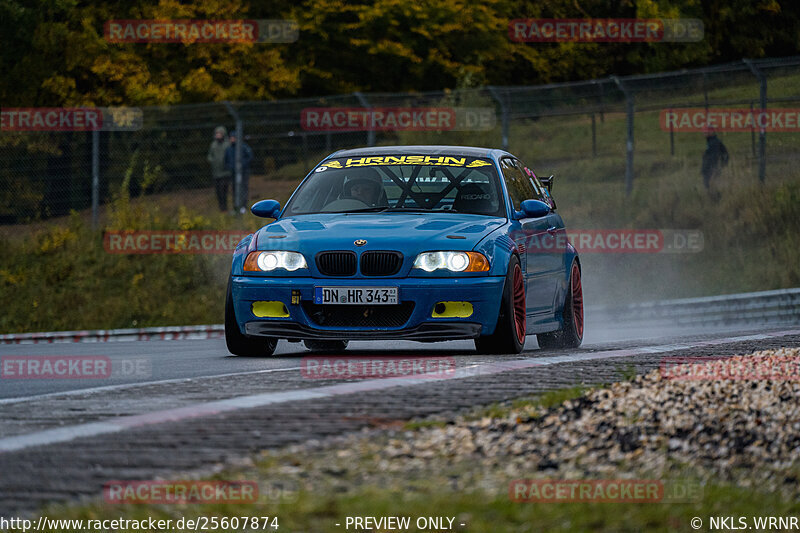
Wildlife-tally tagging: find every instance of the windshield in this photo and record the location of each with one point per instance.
(401, 183)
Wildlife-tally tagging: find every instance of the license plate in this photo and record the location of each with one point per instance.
(355, 295)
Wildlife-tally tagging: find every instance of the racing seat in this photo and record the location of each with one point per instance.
(474, 198)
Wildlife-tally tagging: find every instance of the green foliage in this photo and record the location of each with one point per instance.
(626, 372)
(125, 215)
(398, 45)
(60, 277)
(556, 397)
(59, 56)
(531, 407)
(54, 52)
(415, 425)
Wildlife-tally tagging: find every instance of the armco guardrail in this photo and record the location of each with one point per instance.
(777, 307)
(213, 331)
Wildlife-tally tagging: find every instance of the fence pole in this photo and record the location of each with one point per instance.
(762, 134)
(630, 109)
(671, 136)
(237, 179)
(602, 100)
(95, 178)
(752, 133)
(503, 114)
(305, 152)
(240, 201)
(365, 104)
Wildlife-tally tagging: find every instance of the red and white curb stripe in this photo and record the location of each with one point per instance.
(212, 331)
(114, 425)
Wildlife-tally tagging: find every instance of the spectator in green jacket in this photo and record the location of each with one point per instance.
(220, 174)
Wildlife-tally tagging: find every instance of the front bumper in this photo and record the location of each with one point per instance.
(484, 293)
(424, 332)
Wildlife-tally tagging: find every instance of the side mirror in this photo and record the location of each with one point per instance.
(533, 209)
(548, 182)
(266, 209)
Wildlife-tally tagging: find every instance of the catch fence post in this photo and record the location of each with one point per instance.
(630, 109)
(365, 104)
(762, 134)
(95, 179)
(503, 113)
(238, 201)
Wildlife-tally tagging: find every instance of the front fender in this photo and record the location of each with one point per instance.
(244, 247)
(498, 248)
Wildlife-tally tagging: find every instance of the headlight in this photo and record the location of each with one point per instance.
(452, 261)
(272, 260)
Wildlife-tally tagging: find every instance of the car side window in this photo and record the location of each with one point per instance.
(540, 190)
(518, 185)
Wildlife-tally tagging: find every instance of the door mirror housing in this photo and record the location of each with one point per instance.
(533, 209)
(266, 209)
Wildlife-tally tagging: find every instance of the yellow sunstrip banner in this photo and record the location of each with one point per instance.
(445, 161)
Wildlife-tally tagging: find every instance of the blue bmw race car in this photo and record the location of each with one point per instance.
(425, 243)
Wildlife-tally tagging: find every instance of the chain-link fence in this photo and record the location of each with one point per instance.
(613, 128)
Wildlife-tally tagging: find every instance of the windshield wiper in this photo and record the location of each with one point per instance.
(422, 209)
(375, 209)
(384, 209)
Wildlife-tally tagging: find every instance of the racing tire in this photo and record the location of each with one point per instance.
(571, 334)
(509, 334)
(240, 344)
(333, 346)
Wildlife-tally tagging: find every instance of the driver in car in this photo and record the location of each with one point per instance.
(366, 186)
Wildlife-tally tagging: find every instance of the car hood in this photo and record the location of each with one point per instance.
(408, 233)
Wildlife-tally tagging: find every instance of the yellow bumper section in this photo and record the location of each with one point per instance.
(269, 310)
(452, 310)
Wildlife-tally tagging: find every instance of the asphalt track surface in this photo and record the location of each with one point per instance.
(188, 404)
(141, 362)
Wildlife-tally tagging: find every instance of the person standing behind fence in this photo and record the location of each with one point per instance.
(230, 164)
(216, 157)
(714, 158)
